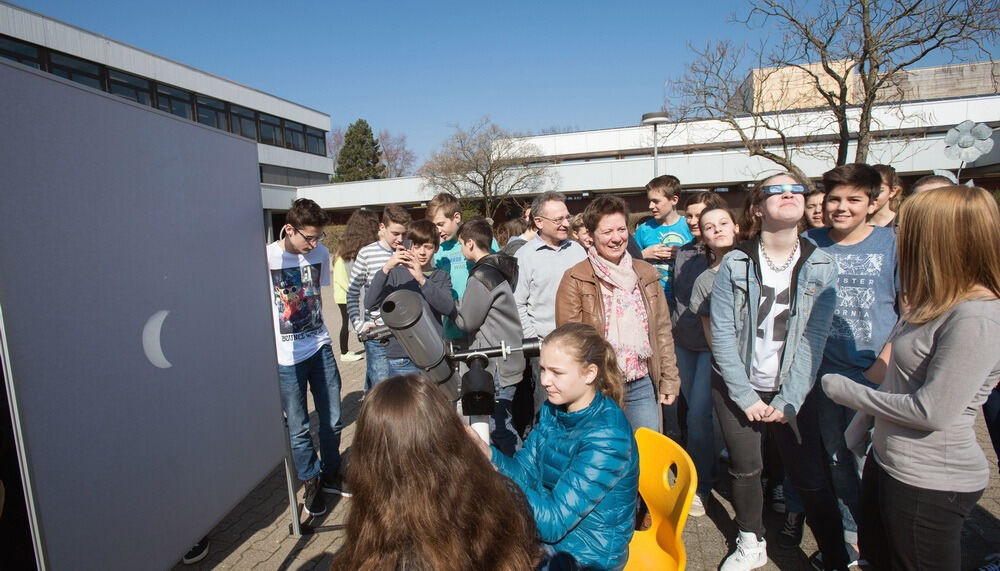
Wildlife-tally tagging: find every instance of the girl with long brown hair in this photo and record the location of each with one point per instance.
(362, 229)
(926, 470)
(579, 467)
(425, 498)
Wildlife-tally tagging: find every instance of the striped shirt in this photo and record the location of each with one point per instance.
(370, 259)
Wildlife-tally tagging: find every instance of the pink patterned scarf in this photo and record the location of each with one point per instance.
(626, 322)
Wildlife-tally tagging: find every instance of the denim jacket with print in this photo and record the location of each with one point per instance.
(735, 301)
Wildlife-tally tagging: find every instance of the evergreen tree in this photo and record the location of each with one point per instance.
(360, 157)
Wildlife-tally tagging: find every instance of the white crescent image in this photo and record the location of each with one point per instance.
(151, 339)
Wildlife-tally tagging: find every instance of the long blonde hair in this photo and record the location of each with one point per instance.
(589, 348)
(949, 243)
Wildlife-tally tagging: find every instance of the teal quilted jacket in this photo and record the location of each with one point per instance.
(580, 473)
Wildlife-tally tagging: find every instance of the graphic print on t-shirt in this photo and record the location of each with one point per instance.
(666, 267)
(297, 298)
(768, 301)
(857, 278)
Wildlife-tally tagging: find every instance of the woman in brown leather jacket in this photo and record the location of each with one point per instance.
(623, 300)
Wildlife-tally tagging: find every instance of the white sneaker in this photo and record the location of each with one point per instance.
(350, 357)
(750, 553)
(697, 507)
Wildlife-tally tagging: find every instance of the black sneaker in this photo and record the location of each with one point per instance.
(312, 499)
(778, 499)
(336, 485)
(197, 553)
(791, 532)
(854, 559)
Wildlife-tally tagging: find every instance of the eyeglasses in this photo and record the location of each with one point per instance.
(772, 189)
(555, 220)
(311, 239)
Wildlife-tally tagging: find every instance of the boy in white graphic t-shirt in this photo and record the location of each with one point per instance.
(299, 265)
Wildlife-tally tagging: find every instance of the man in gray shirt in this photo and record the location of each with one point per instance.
(541, 265)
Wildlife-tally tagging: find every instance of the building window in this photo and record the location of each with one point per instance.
(212, 112)
(20, 52)
(270, 129)
(174, 101)
(130, 87)
(315, 141)
(74, 69)
(243, 122)
(271, 174)
(295, 136)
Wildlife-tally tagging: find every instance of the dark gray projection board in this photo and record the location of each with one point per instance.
(110, 214)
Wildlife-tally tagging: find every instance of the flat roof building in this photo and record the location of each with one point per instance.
(291, 138)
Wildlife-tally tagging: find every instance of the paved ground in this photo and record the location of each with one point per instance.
(255, 535)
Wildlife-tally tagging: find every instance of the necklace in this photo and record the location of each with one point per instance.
(784, 266)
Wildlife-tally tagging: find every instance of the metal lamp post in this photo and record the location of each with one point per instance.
(654, 119)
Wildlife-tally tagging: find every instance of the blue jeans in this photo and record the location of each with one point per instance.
(403, 367)
(502, 433)
(376, 364)
(695, 368)
(844, 474)
(793, 501)
(321, 374)
(641, 408)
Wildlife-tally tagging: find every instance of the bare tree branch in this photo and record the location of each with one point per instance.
(396, 157)
(854, 53)
(486, 164)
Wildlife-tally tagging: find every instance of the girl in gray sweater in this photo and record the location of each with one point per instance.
(926, 470)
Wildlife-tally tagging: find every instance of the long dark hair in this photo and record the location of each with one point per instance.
(362, 229)
(425, 496)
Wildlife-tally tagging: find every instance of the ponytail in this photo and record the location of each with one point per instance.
(589, 348)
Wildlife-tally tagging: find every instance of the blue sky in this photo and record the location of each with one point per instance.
(418, 68)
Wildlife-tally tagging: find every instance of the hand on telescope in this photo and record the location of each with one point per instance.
(483, 447)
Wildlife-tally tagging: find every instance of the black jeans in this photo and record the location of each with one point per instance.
(803, 462)
(991, 411)
(343, 327)
(906, 527)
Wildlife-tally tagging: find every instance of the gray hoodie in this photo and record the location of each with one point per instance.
(488, 313)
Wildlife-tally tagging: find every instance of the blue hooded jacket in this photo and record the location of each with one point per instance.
(580, 473)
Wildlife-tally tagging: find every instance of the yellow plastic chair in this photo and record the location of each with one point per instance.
(660, 547)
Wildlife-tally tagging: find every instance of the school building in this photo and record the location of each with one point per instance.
(908, 134)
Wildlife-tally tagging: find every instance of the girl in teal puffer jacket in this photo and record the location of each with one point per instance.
(579, 467)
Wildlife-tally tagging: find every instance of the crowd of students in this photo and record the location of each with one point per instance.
(837, 339)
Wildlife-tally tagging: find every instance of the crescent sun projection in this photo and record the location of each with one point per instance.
(151, 340)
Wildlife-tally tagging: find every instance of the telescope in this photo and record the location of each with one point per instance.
(405, 319)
